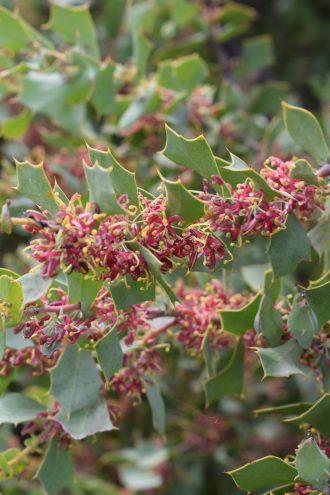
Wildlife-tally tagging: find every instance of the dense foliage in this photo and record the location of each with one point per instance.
(164, 302)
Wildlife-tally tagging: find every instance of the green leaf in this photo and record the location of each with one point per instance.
(302, 170)
(154, 266)
(157, 406)
(264, 474)
(268, 321)
(11, 297)
(182, 202)
(235, 19)
(238, 321)
(208, 354)
(17, 408)
(75, 384)
(193, 153)
(33, 184)
(59, 193)
(319, 298)
(34, 286)
(103, 96)
(257, 54)
(15, 34)
(56, 471)
(305, 130)
(141, 51)
(288, 247)
(76, 26)
(253, 275)
(43, 91)
(123, 181)
(49, 93)
(316, 416)
(266, 97)
(313, 465)
(127, 292)
(302, 322)
(89, 290)
(83, 290)
(80, 84)
(281, 361)
(109, 353)
(272, 287)
(101, 189)
(183, 12)
(182, 74)
(320, 235)
(230, 380)
(15, 127)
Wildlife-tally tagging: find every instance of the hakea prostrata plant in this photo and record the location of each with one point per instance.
(91, 253)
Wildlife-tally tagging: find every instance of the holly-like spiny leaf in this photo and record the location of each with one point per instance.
(193, 153)
(281, 361)
(317, 415)
(238, 321)
(306, 131)
(264, 474)
(122, 180)
(75, 25)
(313, 465)
(75, 384)
(33, 184)
(182, 202)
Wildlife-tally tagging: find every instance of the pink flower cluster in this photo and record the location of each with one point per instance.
(247, 213)
(132, 379)
(30, 355)
(306, 198)
(51, 323)
(81, 239)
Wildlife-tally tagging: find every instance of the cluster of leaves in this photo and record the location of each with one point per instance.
(187, 289)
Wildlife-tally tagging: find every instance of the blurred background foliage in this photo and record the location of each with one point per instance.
(113, 78)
